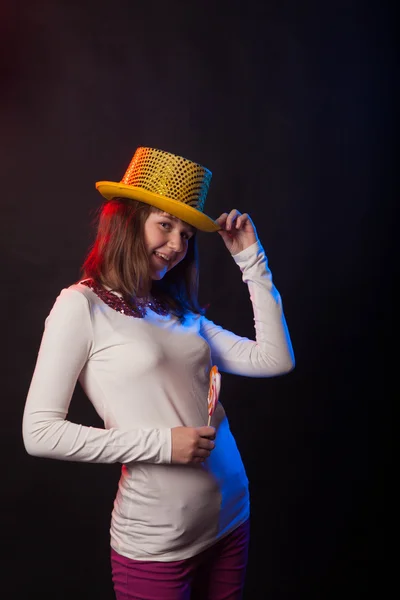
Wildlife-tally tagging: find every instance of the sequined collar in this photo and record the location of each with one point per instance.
(137, 309)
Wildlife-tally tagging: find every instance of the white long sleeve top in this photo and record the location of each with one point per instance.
(145, 376)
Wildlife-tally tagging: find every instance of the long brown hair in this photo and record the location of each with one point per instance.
(118, 259)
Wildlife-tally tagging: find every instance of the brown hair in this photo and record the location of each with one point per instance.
(118, 259)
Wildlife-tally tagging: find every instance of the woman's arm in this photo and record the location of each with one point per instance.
(271, 352)
(66, 346)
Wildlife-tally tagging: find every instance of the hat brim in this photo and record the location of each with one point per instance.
(111, 189)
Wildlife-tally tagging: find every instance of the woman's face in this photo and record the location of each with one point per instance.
(166, 239)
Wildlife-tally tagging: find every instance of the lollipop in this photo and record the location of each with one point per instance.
(213, 391)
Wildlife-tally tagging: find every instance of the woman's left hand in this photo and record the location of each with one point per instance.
(237, 231)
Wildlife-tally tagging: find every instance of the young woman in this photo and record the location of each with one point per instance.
(133, 334)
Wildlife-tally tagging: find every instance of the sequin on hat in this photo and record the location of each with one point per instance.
(171, 183)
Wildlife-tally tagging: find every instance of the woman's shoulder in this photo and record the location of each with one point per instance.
(72, 302)
(82, 288)
(90, 292)
(72, 290)
(76, 294)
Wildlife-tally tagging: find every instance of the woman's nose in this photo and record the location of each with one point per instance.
(175, 242)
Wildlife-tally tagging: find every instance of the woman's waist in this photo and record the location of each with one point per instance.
(171, 481)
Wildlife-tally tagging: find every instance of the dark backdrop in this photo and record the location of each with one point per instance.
(289, 104)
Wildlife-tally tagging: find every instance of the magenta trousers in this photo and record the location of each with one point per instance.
(217, 573)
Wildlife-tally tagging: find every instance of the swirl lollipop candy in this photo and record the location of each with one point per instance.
(213, 391)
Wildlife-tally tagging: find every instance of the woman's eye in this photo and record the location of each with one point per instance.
(165, 225)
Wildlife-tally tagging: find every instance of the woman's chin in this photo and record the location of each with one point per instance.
(158, 275)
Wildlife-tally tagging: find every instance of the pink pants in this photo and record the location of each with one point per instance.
(217, 573)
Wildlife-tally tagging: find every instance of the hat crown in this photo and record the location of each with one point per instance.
(169, 175)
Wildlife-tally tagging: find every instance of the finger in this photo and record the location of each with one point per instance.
(222, 220)
(240, 221)
(206, 431)
(206, 444)
(233, 215)
(202, 454)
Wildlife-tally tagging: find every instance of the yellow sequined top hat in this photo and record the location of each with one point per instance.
(171, 183)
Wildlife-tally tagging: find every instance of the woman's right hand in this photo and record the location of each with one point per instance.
(192, 445)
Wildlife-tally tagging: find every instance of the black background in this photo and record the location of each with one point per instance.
(290, 105)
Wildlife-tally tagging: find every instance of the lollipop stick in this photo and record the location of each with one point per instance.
(209, 420)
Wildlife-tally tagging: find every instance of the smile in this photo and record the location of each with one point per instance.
(162, 256)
